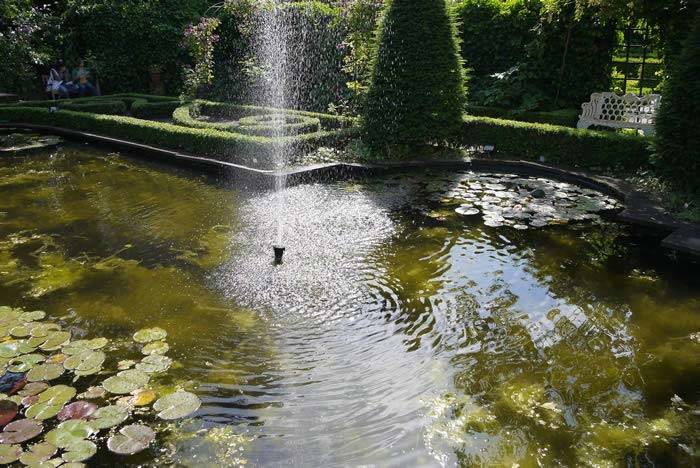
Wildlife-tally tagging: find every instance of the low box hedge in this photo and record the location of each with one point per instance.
(563, 117)
(140, 105)
(568, 146)
(223, 145)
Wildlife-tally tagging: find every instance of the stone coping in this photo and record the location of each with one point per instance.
(640, 209)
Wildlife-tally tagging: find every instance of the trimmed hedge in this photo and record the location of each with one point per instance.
(226, 146)
(140, 105)
(96, 107)
(568, 146)
(563, 117)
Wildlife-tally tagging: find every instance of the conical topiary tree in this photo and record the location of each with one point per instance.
(678, 122)
(417, 88)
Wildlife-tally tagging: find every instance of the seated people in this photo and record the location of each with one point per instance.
(81, 76)
(67, 79)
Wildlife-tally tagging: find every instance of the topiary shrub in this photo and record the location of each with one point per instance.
(417, 91)
(678, 122)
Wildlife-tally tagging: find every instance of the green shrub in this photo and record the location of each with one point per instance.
(140, 105)
(223, 145)
(562, 117)
(678, 122)
(562, 145)
(417, 94)
(97, 107)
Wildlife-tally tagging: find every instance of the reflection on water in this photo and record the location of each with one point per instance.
(397, 332)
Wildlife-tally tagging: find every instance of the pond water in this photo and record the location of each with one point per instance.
(398, 332)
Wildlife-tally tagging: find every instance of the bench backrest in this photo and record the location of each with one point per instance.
(627, 109)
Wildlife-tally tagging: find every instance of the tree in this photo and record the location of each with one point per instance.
(678, 139)
(417, 90)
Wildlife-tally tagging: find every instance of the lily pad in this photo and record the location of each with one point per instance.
(92, 393)
(25, 362)
(19, 431)
(131, 439)
(9, 349)
(79, 346)
(154, 363)
(177, 405)
(85, 363)
(79, 451)
(38, 453)
(156, 347)
(9, 453)
(8, 411)
(32, 316)
(77, 410)
(69, 432)
(55, 340)
(146, 335)
(467, 210)
(41, 330)
(45, 372)
(125, 364)
(142, 397)
(126, 381)
(109, 416)
(50, 402)
(33, 388)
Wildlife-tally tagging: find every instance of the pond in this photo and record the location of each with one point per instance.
(401, 330)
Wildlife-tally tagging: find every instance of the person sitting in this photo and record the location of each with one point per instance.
(81, 76)
(67, 79)
(55, 84)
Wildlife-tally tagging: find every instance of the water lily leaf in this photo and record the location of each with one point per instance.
(55, 340)
(77, 410)
(38, 453)
(50, 402)
(92, 393)
(76, 347)
(8, 411)
(69, 432)
(85, 363)
(45, 372)
(79, 451)
(40, 330)
(9, 453)
(25, 362)
(9, 349)
(142, 397)
(109, 416)
(177, 405)
(19, 431)
(20, 331)
(154, 363)
(32, 316)
(146, 335)
(126, 381)
(131, 439)
(29, 400)
(33, 388)
(125, 364)
(156, 347)
(56, 359)
(467, 210)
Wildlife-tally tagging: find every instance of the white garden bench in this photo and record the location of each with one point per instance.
(628, 111)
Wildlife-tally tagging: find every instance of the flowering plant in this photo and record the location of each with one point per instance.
(199, 40)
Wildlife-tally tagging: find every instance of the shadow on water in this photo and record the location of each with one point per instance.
(396, 332)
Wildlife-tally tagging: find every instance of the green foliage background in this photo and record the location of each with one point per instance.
(417, 91)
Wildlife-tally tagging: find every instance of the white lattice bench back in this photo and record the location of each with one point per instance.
(628, 111)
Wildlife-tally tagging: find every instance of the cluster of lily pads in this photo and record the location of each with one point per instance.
(41, 371)
(15, 142)
(519, 202)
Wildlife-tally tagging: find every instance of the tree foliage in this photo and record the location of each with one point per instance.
(417, 90)
(678, 138)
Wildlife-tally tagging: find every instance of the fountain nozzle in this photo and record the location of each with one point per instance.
(279, 252)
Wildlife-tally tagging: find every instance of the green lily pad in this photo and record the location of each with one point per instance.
(69, 432)
(20, 331)
(131, 439)
(467, 210)
(25, 362)
(154, 363)
(19, 431)
(76, 347)
(55, 340)
(32, 316)
(33, 388)
(9, 453)
(146, 335)
(125, 364)
(79, 451)
(126, 381)
(77, 410)
(109, 416)
(156, 347)
(38, 453)
(40, 330)
(85, 363)
(177, 405)
(92, 393)
(9, 349)
(45, 372)
(50, 402)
